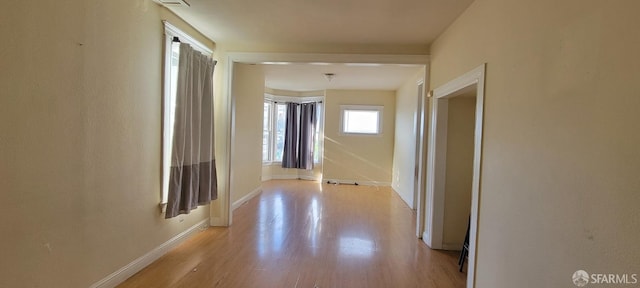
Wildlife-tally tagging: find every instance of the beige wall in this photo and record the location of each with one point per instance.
(248, 93)
(80, 119)
(359, 158)
(404, 149)
(459, 170)
(560, 165)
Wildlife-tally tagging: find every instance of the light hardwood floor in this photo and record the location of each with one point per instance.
(307, 234)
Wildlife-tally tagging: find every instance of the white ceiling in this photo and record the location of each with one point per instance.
(310, 76)
(328, 23)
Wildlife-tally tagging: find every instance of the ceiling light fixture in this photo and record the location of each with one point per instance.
(329, 76)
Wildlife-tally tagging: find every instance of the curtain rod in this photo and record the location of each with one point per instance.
(177, 40)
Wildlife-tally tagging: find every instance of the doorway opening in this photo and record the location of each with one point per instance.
(234, 178)
(463, 98)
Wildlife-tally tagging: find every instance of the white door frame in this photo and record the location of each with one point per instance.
(436, 164)
(420, 157)
(257, 58)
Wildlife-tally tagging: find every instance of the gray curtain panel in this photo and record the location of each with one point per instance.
(290, 152)
(307, 135)
(192, 179)
(299, 136)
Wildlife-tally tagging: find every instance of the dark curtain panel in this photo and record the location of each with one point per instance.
(307, 135)
(299, 136)
(290, 153)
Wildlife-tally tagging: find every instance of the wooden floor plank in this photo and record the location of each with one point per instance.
(307, 234)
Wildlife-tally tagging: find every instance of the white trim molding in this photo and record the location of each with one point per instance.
(172, 31)
(395, 190)
(421, 151)
(290, 177)
(365, 108)
(473, 80)
(283, 177)
(356, 182)
(262, 57)
(122, 274)
(246, 198)
(297, 99)
(270, 58)
(218, 222)
(308, 178)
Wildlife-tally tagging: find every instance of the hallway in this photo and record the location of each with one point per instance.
(306, 234)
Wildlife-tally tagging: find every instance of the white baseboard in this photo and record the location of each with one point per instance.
(425, 239)
(283, 177)
(246, 198)
(122, 274)
(309, 178)
(406, 201)
(352, 182)
(218, 222)
(291, 177)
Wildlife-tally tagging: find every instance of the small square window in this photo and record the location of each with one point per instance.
(366, 120)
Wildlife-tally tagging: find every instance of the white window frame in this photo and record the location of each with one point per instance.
(320, 133)
(270, 130)
(345, 108)
(273, 129)
(170, 32)
(274, 99)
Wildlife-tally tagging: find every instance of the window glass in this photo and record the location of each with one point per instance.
(360, 121)
(318, 142)
(266, 132)
(281, 120)
(274, 123)
(172, 57)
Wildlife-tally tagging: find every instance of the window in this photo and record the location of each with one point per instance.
(274, 122)
(266, 132)
(171, 56)
(317, 150)
(365, 120)
(281, 122)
